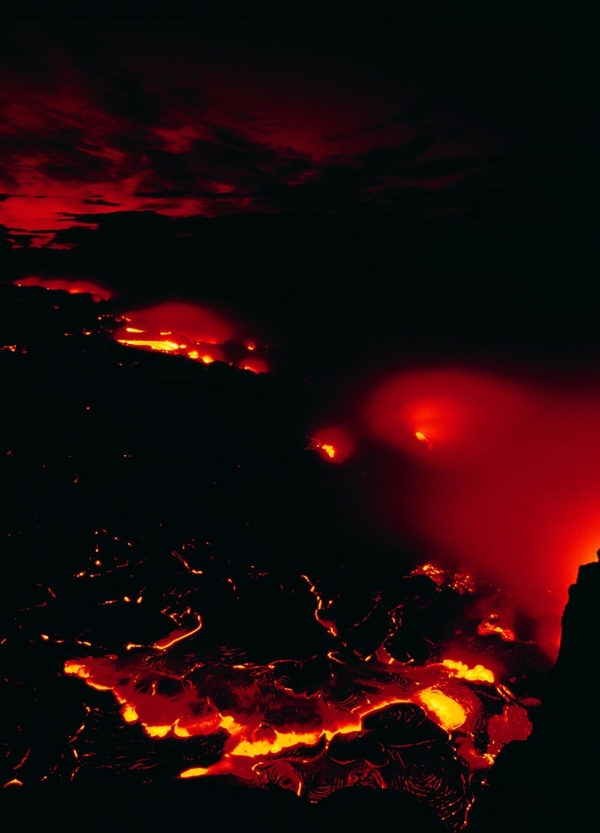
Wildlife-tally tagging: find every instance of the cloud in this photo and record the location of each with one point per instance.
(93, 119)
(382, 124)
(99, 202)
(535, 182)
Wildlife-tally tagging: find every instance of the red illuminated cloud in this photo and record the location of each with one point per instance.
(254, 364)
(166, 126)
(84, 138)
(507, 479)
(73, 287)
(193, 321)
(454, 411)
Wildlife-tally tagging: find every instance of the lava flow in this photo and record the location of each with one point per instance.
(175, 327)
(190, 330)
(316, 725)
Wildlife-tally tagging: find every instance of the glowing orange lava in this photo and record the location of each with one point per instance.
(186, 709)
(423, 439)
(186, 329)
(477, 673)
(490, 626)
(266, 725)
(333, 444)
(252, 742)
(443, 709)
(438, 688)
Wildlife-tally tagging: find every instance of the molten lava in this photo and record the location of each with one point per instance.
(189, 330)
(491, 626)
(441, 689)
(333, 444)
(268, 728)
(423, 439)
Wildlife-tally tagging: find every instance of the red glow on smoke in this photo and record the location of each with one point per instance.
(193, 322)
(423, 439)
(452, 411)
(504, 476)
(190, 330)
(333, 444)
(255, 365)
(98, 293)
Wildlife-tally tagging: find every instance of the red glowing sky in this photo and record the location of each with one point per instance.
(213, 117)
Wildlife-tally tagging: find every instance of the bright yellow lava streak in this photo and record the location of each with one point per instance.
(77, 669)
(129, 714)
(163, 346)
(169, 641)
(194, 772)
(477, 674)
(284, 740)
(450, 714)
(157, 731)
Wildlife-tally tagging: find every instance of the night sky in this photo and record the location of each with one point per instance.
(363, 197)
(128, 132)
